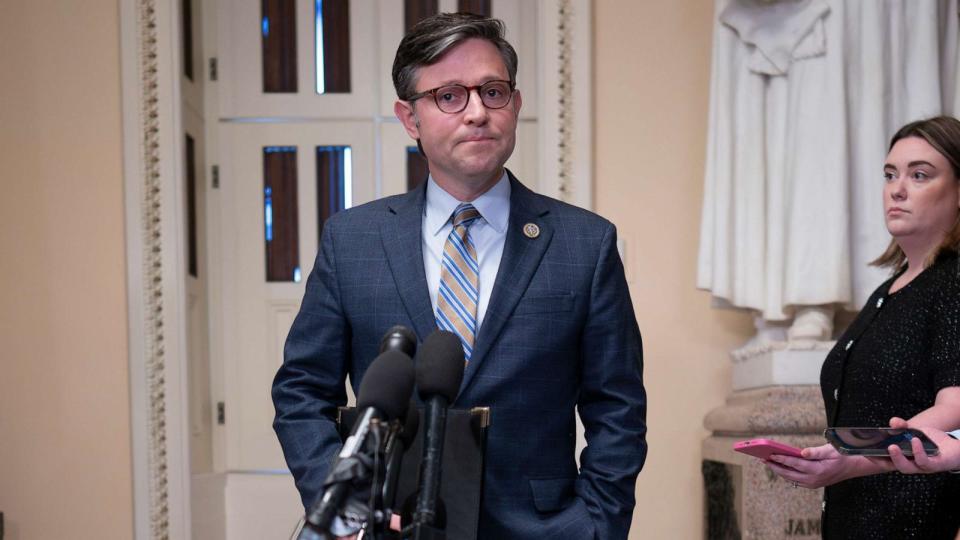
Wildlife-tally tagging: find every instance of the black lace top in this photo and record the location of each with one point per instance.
(898, 353)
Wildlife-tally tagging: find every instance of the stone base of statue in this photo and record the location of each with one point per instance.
(776, 396)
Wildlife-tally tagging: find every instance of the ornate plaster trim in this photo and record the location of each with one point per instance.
(566, 112)
(151, 147)
(564, 96)
(151, 233)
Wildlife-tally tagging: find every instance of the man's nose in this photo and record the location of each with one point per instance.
(475, 112)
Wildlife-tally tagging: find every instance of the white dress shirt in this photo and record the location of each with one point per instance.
(488, 234)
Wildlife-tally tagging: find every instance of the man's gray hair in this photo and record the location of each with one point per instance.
(430, 38)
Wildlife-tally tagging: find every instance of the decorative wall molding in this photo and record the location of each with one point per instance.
(564, 96)
(154, 271)
(566, 115)
(154, 356)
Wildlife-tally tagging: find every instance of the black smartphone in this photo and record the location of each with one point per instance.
(857, 441)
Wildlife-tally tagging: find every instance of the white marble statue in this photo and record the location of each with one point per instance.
(804, 97)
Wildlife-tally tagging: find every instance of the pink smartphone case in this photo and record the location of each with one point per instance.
(764, 448)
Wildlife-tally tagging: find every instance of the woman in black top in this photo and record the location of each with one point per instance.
(901, 356)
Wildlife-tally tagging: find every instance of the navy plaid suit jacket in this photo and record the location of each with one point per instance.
(559, 334)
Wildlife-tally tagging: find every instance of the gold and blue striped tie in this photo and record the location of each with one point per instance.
(459, 280)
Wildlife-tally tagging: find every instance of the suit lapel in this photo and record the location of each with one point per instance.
(403, 244)
(521, 257)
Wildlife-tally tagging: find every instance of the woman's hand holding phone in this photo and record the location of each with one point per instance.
(818, 466)
(947, 460)
(876, 442)
(812, 467)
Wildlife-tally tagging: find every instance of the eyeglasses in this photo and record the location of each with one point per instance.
(453, 98)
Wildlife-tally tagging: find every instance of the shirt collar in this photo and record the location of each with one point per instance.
(493, 205)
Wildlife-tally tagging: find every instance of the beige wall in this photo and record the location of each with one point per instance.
(65, 467)
(652, 67)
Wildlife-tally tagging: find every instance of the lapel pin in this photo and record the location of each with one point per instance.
(531, 230)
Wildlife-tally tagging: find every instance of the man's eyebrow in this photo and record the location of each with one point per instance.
(461, 83)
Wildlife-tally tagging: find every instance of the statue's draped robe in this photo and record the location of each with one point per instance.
(804, 98)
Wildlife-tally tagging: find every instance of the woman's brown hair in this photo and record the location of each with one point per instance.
(943, 134)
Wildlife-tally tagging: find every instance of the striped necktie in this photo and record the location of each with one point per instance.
(459, 279)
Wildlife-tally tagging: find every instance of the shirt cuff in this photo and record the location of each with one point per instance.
(956, 435)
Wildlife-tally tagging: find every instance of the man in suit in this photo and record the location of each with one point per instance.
(534, 288)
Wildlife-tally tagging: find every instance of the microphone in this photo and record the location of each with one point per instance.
(439, 374)
(398, 442)
(384, 395)
(399, 338)
(410, 424)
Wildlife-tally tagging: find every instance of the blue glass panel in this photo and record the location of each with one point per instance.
(278, 29)
(321, 76)
(334, 181)
(280, 231)
(268, 213)
(332, 46)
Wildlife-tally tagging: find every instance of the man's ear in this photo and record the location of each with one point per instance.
(407, 116)
(517, 102)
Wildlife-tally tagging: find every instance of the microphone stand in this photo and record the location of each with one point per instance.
(387, 489)
(423, 531)
(354, 476)
(425, 524)
(383, 485)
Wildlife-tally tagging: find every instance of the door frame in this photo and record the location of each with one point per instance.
(154, 219)
(156, 285)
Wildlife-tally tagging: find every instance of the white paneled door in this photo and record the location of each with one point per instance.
(258, 310)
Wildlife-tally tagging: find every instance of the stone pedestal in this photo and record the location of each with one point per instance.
(779, 364)
(776, 396)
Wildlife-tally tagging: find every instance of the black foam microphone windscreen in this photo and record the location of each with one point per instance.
(440, 364)
(410, 425)
(387, 385)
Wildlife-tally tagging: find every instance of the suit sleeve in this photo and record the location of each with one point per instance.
(612, 401)
(309, 386)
